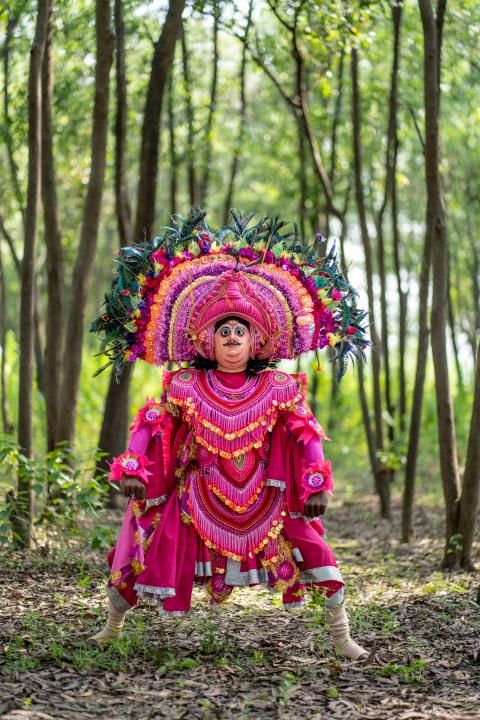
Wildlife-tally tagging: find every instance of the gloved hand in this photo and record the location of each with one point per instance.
(316, 504)
(133, 486)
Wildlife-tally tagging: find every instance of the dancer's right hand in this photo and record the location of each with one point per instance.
(132, 486)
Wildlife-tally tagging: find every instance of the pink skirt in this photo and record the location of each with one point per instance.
(159, 557)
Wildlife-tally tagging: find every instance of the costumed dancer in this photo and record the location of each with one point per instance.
(226, 473)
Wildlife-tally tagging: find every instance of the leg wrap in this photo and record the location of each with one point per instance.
(113, 626)
(340, 633)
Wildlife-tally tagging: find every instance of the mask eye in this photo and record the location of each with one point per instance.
(240, 331)
(225, 331)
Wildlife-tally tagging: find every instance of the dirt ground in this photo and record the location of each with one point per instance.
(248, 658)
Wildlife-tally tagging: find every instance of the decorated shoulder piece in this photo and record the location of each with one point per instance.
(129, 463)
(169, 291)
(152, 414)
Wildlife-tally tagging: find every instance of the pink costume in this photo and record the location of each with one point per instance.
(228, 459)
(219, 510)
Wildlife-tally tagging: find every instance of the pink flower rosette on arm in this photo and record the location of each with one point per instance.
(314, 473)
(129, 463)
(317, 477)
(152, 414)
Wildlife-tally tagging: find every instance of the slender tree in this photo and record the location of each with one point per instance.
(172, 147)
(7, 424)
(189, 112)
(90, 223)
(24, 500)
(161, 62)
(122, 203)
(53, 242)
(14, 16)
(388, 198)
(417, 398)
(471, 480)
(437, 227)
(241, 121)
(115, 418)
(381, 472)
(212, 107)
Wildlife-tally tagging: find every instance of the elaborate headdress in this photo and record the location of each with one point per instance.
(169, 292)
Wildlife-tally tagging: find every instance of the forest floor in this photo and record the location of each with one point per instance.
(249, 658)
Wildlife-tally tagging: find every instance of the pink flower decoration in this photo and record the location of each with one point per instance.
(336, 294)
(153, 414)
(129, 463)
(317, 477)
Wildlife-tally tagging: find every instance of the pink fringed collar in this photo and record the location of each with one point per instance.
(230, 421)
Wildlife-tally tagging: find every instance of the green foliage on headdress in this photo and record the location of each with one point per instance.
(116, 326)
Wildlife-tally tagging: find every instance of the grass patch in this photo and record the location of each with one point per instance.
(411, 674)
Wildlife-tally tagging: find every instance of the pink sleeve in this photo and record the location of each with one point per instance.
(147, 452)
(316, 473)
(139, 439)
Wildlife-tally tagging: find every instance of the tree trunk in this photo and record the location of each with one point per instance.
(436, 224)
(161, 62)
(190, 154)
(381, 473)
(115, 420)
(7, 424)
(372, 450)
(90, 224)
(11, 246)
(53, 241)
(302, 181)
(471, 478)
(172, 151)
(417, 401)
(402, 308)
(207, 168)
(242, 119)
(476, 288)
(453, 334)
(337, 114)
(388, 197)
(23, 518)
(122, 204)
(113, 432)
(12, 20)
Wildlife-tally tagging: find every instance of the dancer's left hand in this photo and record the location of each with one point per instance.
(316, 504)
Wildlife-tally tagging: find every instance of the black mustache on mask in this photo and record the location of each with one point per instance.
(231, 342)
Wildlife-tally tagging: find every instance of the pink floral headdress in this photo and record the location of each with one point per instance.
(170, 291)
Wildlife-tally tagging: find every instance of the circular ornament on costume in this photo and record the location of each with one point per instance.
(315, 480)
(130, 463)
(218, 583)
(285, 570)
(153, 413)
(280, 377)
(301, 410)
(185, 376)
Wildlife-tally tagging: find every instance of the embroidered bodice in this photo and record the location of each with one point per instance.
(233, 479)
(229, 421)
